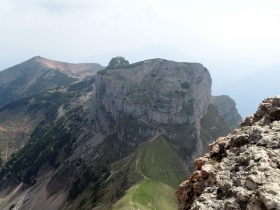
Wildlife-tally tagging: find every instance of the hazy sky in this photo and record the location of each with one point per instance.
(72, 30)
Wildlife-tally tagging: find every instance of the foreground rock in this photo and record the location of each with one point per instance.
(242, 170)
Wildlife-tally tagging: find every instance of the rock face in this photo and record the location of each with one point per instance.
(158, 91)
(242, 170)
(227, 109)
(169, 97)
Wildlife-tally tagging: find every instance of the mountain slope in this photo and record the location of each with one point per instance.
(149, 194)
(111, 138)
(39, 74)
(16, 124)
(80, 70)
(18, 119)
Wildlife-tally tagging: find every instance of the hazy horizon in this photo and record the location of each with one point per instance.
(72, 31)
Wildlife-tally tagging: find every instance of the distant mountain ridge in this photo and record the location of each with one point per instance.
(38, 74)
(79, 70)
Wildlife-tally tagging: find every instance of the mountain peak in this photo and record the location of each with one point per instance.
(37, 59)
(38, 74)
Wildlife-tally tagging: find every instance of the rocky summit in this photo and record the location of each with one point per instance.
(242, 170)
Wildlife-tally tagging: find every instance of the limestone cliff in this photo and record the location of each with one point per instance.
(171, 97)
(242, 170)
(159, 91)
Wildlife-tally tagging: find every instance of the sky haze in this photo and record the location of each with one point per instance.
(247, 31)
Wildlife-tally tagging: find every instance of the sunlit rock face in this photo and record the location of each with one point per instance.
(242, 170)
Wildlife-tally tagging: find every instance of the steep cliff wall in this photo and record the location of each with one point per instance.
(158, 91)
(242, 170)
(168, 97)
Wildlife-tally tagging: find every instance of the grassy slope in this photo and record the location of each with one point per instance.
(149, 194)
(151, 175)
(163, 171)
(158, 160)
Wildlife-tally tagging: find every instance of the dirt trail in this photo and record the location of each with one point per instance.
(146, 122)
(152, 139)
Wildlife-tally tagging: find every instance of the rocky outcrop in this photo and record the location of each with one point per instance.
(117, 62)
(242, 170)
(227, 109)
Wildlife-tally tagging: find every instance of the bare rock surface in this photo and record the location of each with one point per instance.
(168, 97)
(157, 91)
(242, 170)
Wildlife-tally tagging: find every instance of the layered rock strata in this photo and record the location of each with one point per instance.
(163, 96)
(158, 91)
(242, 170)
